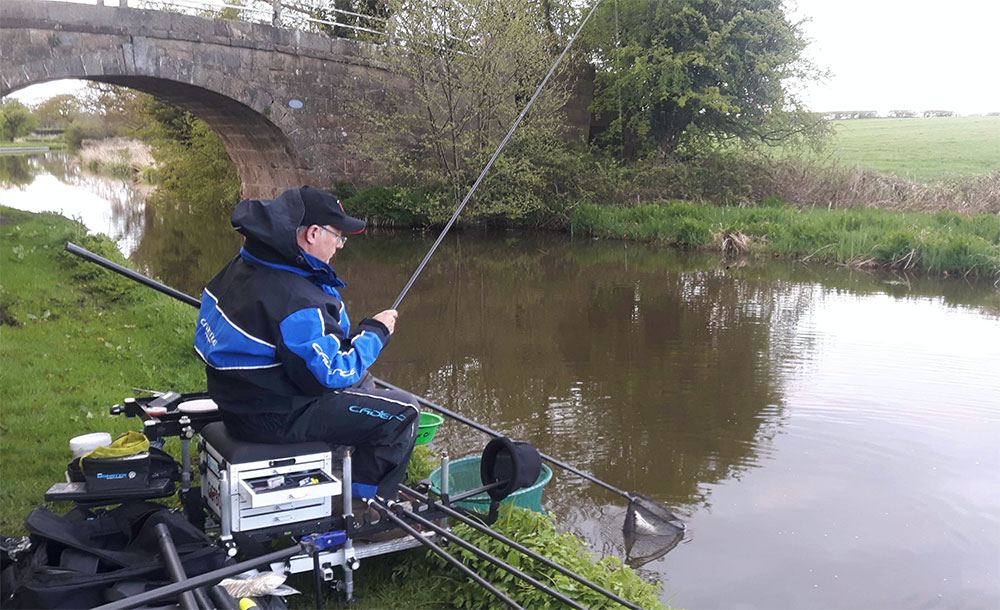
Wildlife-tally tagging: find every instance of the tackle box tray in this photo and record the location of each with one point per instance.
(269, 490)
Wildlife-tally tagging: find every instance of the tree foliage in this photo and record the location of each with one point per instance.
(16, 120)
(120, 111)
(193, 167)
(58, 111)
(672, 73)
(472, 65)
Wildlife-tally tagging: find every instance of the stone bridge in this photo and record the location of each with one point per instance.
(275, 96)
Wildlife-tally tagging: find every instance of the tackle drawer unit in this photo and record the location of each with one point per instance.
(251, 486)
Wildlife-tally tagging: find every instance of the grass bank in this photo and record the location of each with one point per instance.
(941, 242)
(75, 338)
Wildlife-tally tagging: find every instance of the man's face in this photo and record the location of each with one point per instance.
(322, 241)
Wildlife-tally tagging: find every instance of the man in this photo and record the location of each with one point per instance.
(282, 360)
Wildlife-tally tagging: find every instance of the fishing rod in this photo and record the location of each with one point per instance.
(489, 164)
(446, 556)
(516, 546)
(655, 518)
(448, 535)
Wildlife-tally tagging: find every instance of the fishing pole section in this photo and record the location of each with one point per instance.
(252, 495)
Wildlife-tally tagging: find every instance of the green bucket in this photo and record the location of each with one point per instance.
(463, 475)
(428, 425)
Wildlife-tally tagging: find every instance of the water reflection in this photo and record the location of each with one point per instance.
(55, 182)
(15, 170)
(185, 244)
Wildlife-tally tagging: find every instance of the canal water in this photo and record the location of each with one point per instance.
(830, 437)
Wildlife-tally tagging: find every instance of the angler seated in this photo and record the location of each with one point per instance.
(282, 359)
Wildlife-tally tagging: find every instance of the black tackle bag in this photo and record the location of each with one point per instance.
(85, 559)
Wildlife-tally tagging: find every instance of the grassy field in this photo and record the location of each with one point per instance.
(919, 149)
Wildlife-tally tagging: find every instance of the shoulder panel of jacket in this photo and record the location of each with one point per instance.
(222, 344)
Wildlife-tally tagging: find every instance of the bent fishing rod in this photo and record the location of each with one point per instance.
(489, 164)
(652, 509)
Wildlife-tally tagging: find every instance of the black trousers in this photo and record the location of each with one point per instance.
(381, 425)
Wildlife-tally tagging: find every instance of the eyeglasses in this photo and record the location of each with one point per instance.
(342, 238)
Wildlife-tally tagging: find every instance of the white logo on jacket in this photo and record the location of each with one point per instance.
(209, 335)
(329, 363)
(322, 354)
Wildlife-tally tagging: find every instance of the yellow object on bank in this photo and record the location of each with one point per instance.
(247, 602)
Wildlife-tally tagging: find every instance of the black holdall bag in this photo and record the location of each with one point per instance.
(85, 559)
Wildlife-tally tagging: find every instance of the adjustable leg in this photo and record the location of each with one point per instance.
(349, 561)
(226, 508)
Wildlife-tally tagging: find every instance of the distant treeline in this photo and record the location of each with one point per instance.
(839, 115)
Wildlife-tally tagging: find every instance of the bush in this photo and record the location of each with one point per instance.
(896, 246)
(73, 137)
(379, 205)
(773, 201)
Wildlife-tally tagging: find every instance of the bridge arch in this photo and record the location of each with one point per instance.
(238, 77)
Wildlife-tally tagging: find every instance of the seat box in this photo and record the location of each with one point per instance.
(280, 489)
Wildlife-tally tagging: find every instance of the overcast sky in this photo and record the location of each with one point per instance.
(904, 54)
(883, 55)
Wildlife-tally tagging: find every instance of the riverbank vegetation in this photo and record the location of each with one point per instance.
(691, 103)
(945, 242)
(120, 157)
(78, 338)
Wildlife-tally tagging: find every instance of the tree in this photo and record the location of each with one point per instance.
(121, 111)
(674, 72)
(58, 111)
(16, 120)
(471, 65)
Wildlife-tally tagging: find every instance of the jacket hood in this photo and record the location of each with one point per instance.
(272, 222)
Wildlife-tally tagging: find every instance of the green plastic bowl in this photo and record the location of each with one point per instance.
(428, 425)
(463, 475)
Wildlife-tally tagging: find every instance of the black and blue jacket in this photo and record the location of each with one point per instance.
(272, 329)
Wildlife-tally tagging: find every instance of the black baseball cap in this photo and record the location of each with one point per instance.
(324, 208)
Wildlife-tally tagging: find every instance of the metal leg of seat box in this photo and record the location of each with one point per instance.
(186, 434)
(350, 563)
(226, 510)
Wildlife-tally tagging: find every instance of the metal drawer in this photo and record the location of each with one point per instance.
(282, 518)
(283, 488)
